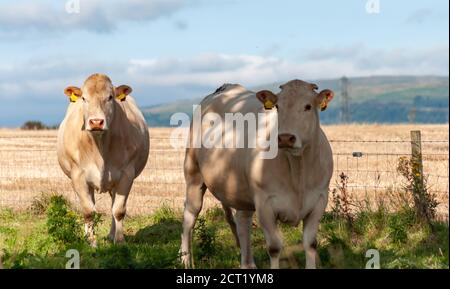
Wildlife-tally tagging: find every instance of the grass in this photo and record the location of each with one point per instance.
(153, 242)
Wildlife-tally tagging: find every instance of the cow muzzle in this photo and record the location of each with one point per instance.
(96, 124)
(290, 143)
(286, 140)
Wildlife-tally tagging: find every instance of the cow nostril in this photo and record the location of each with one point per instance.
(286, 140)
(96, 123)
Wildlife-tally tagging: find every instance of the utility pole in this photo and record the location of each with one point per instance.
(345, 112)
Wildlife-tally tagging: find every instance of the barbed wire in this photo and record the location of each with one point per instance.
(160, 180)
(387, 141)
(180, 138)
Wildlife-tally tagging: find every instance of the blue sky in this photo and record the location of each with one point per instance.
(171, 49)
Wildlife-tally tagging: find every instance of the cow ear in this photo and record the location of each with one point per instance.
(122, 92)
(73, 93)
(268, 98)
(323, 98)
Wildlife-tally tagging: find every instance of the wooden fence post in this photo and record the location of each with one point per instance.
(418, 189)
(416, 151)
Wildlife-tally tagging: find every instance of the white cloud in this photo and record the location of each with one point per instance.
(47, 77)
(95, 15)
(213, 69)
(205, 69)
(359, 60)
(36, 86)
(338, 52)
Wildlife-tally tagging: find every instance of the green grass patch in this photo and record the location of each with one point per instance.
(28, 240)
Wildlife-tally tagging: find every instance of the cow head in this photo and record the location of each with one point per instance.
(298, 106)
(99, 97)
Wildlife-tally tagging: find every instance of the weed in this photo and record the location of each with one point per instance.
(164, 214)
(398, 225)
(425, 202)
(214, 214)
(341, 200)
(62, 223)
(206, 239)
(40, 203)
(401, 238)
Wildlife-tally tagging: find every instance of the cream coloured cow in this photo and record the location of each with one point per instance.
(291, 187)
(103, 145)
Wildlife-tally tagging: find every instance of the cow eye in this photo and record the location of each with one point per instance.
(307, 107)
(276, 106)
(110, 97)
(84, 99)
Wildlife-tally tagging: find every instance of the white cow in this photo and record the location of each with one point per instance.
(103, 145)
(291, 187)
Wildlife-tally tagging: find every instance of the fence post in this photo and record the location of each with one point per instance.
(418, 189)
(416, 150)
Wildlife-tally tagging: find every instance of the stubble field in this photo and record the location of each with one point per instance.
(29, 167)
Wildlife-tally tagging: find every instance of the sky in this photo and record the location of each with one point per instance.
(177, 49)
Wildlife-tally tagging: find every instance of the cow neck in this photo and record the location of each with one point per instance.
(306, 163)
(312, 155)
(296, 169)
(101, 141)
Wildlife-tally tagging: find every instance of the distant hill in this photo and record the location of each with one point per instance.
(380, 99)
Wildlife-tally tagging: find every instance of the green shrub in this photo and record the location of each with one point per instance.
(363, 223)
(62, 223)
(164, 214)
(206, 239)
(215, 214)
(40, 203)
(399, 224)
(34, 125)
(425, 201)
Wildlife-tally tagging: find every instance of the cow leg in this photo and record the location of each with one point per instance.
(119, 207)
(87, 203)
(243, 227)
(112, 231)
(310, 228)
(195, 189)
(230, 220)
(268, 222)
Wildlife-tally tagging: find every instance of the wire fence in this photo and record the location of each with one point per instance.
(29, 167)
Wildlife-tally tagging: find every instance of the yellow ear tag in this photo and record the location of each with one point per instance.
(268, 104)
(73, 97)
(121, 96)
(323, 105)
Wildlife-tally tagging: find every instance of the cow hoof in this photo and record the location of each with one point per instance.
(119, 241)
(93, 243)
(186, 260)
(110, 237)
